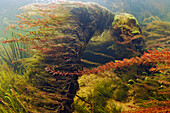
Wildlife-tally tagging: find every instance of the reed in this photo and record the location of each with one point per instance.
(11, 54)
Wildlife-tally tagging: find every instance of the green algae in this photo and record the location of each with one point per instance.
(127, 21)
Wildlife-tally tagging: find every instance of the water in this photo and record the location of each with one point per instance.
(140, 9)
(108, 56)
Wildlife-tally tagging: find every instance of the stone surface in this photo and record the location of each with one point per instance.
(123, 40)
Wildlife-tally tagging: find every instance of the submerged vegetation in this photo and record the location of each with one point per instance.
(157, 35)
(10, 82)
(12, 55)
(132, 80)
(135, 85)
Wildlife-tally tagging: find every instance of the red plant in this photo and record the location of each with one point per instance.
(152, 58)
(159, 59)
(155, 106)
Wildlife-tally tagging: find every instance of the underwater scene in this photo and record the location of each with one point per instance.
(84, 56)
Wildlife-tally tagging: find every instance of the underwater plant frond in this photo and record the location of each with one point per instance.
(11, 54)
(160, 59)
(154, 106)
(58, 34)
(157, 35)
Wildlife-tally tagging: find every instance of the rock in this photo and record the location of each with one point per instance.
(123, 40)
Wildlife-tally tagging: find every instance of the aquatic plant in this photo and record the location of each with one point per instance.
(152, 87)
(157, 35)
(124, 40)
(154, 106)
(36, 32)
(9, 100)
(101, 94)
(11, 55)
(155, 84)
(121, 93)
(57, 42)
(96, 99)
(158, 60)
(17, 95)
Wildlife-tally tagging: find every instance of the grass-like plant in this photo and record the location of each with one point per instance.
(9, 101)
(11, 54)
(157, 34)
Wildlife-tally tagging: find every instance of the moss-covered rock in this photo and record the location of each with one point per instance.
(124, 40)
(58, 34)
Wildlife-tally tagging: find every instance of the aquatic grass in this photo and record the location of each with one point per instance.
(9, 101)
(100, 97)
(106, 90)
(157, 35)
(96, 94)
(11, 54)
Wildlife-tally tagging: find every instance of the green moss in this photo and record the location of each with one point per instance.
(79, 108)
(124, 19)
(98, 95)
(113, 108)
(102, 92)
(121, 93)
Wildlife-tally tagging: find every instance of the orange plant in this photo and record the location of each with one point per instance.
(159, 60)
(155, 106)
